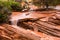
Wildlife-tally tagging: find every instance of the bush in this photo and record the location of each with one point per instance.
(4, 15)
(11, 5)
(16, 6)
(5, 4)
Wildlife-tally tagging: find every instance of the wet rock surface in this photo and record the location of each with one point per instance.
(55, 19)
(48, 27)
(8, 32)
(43, 28)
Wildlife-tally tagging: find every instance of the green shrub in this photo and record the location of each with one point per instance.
(11, 5)
(5, 4)
(16, 6)
(4, 15)
(6, 9)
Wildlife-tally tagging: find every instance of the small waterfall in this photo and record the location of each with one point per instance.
(14, 22)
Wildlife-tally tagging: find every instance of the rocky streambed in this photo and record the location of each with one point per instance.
(46, 27)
